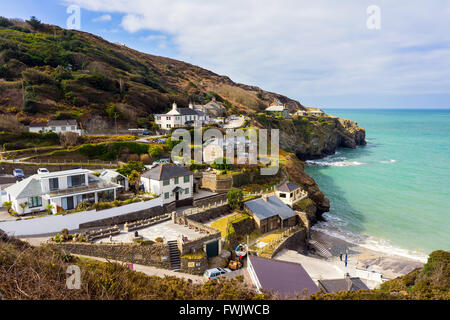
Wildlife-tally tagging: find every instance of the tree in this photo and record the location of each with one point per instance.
(49, 208)
(69, 139)
(135, 180)
(8, 204)
(131, 166)
(155, 151)
(235, 198)
(23, 206)
(34, 22)
(221, 164)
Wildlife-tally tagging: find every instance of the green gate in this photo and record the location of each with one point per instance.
(212, 249)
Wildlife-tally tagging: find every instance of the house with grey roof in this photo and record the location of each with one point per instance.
(173, 183)
(270, 213)
(288, 280)
(64, 190)
(181, 117)
(339, 285)
(290, 193)
(213, 109)
(57, 126)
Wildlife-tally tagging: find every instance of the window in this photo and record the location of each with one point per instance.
(168, 118)
(282, 195)
(292, 194)
(53, 129)
(166, 195)
(178, 118)
(158, 118)
(63, 128)
(34, 202)
(76, 181)
(166, 182)
(186, 191)
(54, 184)
(72, 128)
(177, 180)
(168, 126)
(187, 179)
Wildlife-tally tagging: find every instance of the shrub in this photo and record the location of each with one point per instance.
(235, 198)
(221, 164)
(155, 151)
(127, 169)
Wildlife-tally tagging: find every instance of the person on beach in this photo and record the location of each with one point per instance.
(340, 256)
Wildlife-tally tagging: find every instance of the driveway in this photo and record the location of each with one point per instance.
(5, 216)
(234, 124)
(152, 271)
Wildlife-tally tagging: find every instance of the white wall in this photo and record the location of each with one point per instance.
(54, 224)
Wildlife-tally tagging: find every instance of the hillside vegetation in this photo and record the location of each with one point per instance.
(50, 72)
(33, 273)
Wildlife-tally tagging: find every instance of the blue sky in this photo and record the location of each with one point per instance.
(319, 52)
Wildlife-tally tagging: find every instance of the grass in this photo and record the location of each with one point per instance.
(221, 224)
(194, 256)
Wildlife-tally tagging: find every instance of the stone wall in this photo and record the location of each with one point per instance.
(211, 200)
(296, 241)
(210, 214)
(194, 266)
(133, 216)
(156, 255)
(216, 183)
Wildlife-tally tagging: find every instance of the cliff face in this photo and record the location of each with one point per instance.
(316, 137)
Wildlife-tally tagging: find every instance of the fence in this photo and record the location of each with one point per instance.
(66, 162)
(270, 247)
(259, 193)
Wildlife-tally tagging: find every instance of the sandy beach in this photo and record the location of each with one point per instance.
(360, 261)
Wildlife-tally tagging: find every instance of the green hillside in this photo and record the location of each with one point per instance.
(49, 72)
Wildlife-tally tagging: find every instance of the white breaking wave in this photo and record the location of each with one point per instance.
(335, 227)
(390, 161)
(323, 163)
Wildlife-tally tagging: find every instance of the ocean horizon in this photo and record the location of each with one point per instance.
(391, 195)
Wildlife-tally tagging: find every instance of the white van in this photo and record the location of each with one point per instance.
(212, 274)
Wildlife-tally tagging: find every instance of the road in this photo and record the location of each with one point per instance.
(152, 271)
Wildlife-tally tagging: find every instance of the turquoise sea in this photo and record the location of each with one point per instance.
(392, 195)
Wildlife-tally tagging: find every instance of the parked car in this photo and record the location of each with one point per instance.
(42, 171)
(18, 173)
(178, 164)
(160, 161)
(146, 132)
(212, 274)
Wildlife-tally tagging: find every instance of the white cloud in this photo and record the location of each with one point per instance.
(297, 47)
(103, 18)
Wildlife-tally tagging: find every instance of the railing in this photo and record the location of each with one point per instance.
(270, 247)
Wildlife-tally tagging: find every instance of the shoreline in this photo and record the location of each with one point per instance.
(359, 256)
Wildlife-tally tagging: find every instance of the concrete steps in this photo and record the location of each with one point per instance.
(174, 256)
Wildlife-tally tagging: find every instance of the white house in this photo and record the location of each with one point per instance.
(290, 193)
(57, 126)
(278, 109)
(63, 189)
(314, 112)
(173, 183)
(181, 117)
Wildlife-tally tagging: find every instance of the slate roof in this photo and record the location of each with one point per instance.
(54, 123)
(267, 209)
(187, 112)
(287, 187)
(166, 172)
(338, 285)
(287, 279)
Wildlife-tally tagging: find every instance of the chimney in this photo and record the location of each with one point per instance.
(174, 106)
